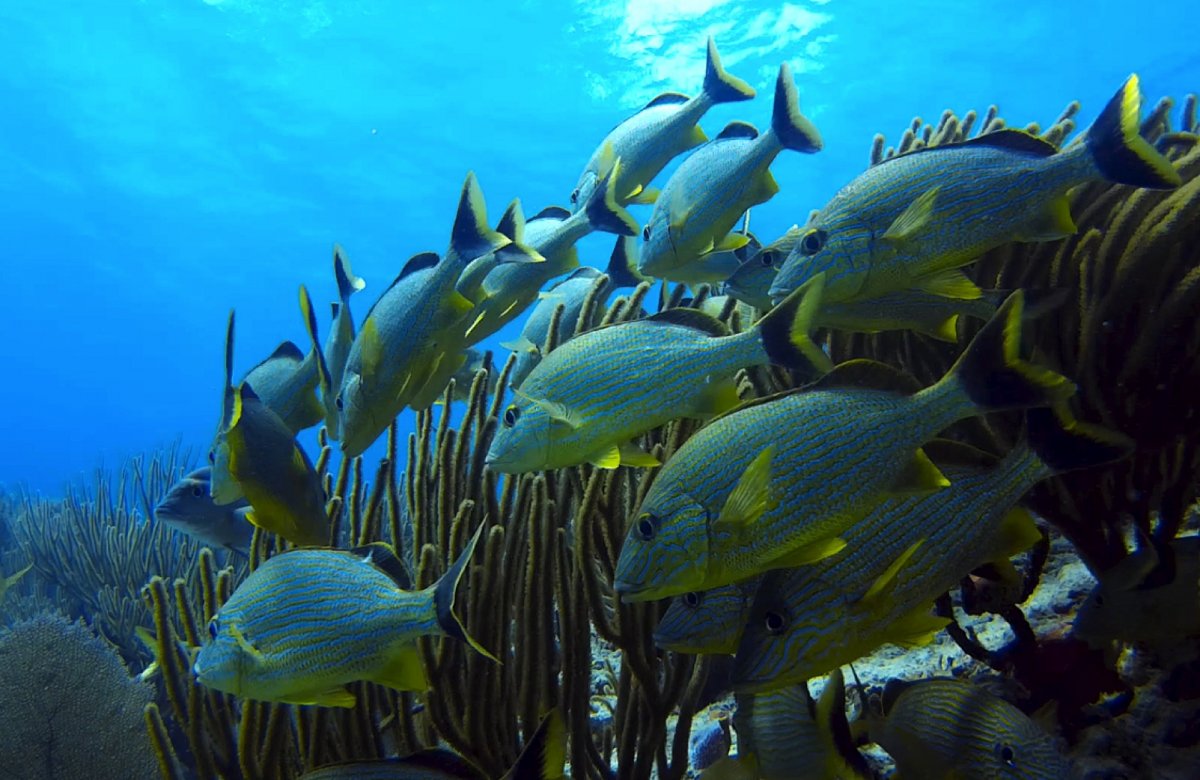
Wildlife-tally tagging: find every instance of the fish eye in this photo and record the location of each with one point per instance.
(813, 242)
(1006, 754)
(511, 415)
(646, 526)
(691, 599)
(575, 195)
(197, 491)
(646, 233)
(212, 628)
(774, 623)
(766, 259)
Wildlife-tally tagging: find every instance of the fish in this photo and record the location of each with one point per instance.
(774, 482)
(274, 473)
(707, 621)
(306, 623)
(509, 289)
(687, 238)
(412, 339)
(6, 583)
(914, 220)
(786, 735)
(1147, 597)
(751, 282)
(587, 400)
(464, 377)
(223, 488)
(569, 293)
(341, 336)
(287, 381)
(948, 729)
(906, 552)
(663, 129)
(189, 508)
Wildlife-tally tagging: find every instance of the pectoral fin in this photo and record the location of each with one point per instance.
(749, 498)
(913, 220)
(810, 553)
(916, 628)
(920, 475)
(950, 284)
(372, 349)
(885, 581)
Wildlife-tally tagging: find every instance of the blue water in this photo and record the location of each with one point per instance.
(162, 162)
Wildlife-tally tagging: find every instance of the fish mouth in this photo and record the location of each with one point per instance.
(632, 593)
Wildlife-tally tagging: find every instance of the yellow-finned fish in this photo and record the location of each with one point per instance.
(188, 507)
(751, 282)
(707, 621)
(542, 758)
(341, 336)
(509, 289)
(412, 340)
(587, 400)
(306, 623)
(7, 582)
(664, 128)
(773, 483)
(905, 553)
(948, 729)
(911, 221)
(690, 227)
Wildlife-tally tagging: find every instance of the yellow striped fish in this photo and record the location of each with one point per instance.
(589, 398)
(707, 621)
(664, 128)
(947, 729)
(772, 484)
(904, 554)
(912, 220)
(306, 623)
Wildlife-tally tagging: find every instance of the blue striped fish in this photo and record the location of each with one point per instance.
(306, 623)
(707, 621)
(411, 341)
(664, 128)
(588, 399)
(751, 282)
(904, 554)
(947, 729)
(688, 236)
(772, 484)
(341, 336)
(509, 289)
(912, 220)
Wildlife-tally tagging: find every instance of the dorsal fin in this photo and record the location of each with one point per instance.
(666, 99)
(738, 130)
(583, 272)
(417, 262)
(286, 351)
(945, 452)
(550, 212)
(690, 318)
(1009, 138)
(383, 557)
(865, 374)
(892, 690)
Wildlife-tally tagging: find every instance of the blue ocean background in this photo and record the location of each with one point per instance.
(163, 162)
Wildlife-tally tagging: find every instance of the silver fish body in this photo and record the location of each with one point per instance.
(188, 507)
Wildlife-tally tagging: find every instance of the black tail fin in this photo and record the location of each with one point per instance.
(622, 264)
(544, 756)
(347, 282)
(310, 323)
(721, 86)
(603, 211)
(791, 127)
(445, 595)
(1065, 444)
(1119, 150)
(471, 237)
(785, 330)
(993, 373)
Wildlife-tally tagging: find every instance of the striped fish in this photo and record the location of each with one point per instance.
(947, 729)
(751, 282)
(509, 289)
(912, 220)
(306, 623)
(411, 341)
(688, 236)
(588, 399)
(341, 336)
(707, 621)
(663, 129)
(772, 484)
(904, 554)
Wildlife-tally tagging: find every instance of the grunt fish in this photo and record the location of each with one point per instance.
(707, 621)
(189, 508)
(341, 336)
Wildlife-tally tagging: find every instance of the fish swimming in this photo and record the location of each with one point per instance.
(751, 282)
(510, 289)
(188, 507)
(948, 729)
(773, 483)
(690, 226)
(663, 129)
(6, 583)
(569, 293)
(464, 377)
(905, 553)
(412, 340)
(306, 623)
(587, 400)
(911, 221)
(341, 336)
(707, 621)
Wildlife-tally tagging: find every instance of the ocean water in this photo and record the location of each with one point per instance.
(163, 162)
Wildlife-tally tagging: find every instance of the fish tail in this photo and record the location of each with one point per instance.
(622, 263)
(720, 86)
(445, 594)
(845, 760)
(602, 210)
(1065, 444)
(471, 237)
(310, 324)
(347, 282)
(994, 375)
(785, 330)
(544, 756)
(1118, 149)
(791, 127)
